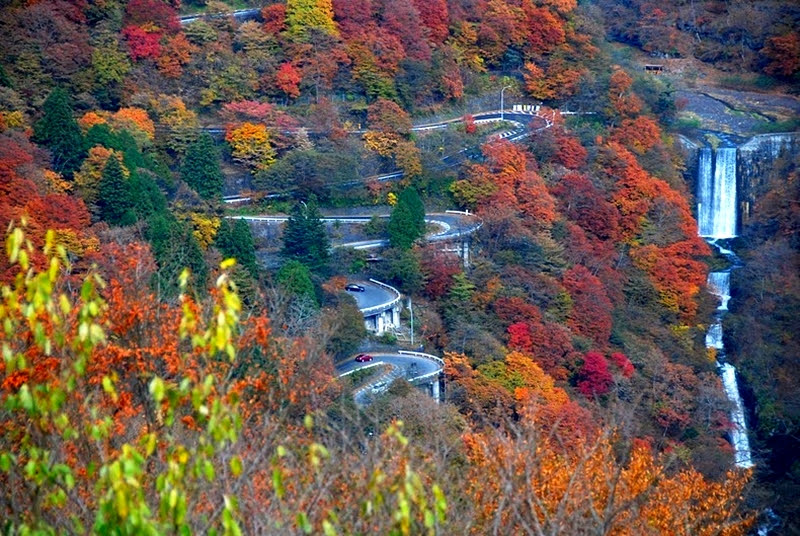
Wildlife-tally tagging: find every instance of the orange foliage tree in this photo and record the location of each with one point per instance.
(508, 179)
(106, 391)
(623, 102)
(526, 481)
(669, 257)
(639, 135)
(27, 191)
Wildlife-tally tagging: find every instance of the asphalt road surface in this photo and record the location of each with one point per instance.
(415, 366)
(372, 296)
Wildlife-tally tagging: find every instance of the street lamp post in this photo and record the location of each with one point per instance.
(502, 103)
(410, 308)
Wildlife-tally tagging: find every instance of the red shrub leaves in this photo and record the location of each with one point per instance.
(623, 363)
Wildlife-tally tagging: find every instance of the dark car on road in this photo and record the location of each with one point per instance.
(363, 358)
(352, 287)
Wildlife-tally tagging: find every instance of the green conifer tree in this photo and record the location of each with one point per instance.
(175, 248)
(114, 198)
(59, 132)
(5, 81)
(201, 168)
(305, 238)
(235, 240)
(295, 278)
(407, 222)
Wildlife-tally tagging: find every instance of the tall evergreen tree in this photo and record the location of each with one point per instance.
(201, 168)
(5, 81)
(235, 240)
(407, 222)
(305, 238)
(295, 278)
(175, 248)
(114, 198)
(58, 131)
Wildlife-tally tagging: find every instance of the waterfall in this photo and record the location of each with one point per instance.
(719, 285)
(724, 193)
(716, 218)
(705, 193)
(741, 444)
(716, 193)
(714, 336)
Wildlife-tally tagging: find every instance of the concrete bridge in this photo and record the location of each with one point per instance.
(380, 304)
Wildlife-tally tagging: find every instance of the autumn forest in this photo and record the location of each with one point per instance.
(194, 195)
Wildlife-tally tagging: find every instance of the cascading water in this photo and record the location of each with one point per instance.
(716, 215)
(719, 285)
(716, 193)
(705, 192)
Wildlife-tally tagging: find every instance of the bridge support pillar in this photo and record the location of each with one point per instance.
(435, 390)
(379, 324)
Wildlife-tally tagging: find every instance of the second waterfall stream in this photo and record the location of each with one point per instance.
(717, 219)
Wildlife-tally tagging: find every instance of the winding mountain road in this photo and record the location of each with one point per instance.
(522, 123)
(452, 225)
(239, 14)
(416, 367)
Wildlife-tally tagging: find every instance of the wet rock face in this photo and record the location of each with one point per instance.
(756, 159)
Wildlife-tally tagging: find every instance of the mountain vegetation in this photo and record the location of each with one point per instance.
(150, 383)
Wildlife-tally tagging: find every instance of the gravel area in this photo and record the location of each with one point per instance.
(737, 112)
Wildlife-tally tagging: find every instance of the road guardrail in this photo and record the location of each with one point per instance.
(429, 357)
(382, 307)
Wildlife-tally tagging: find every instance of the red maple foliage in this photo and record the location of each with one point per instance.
(591, 311)
(433, 14)
(288, 80)
(595, 378)
(438, 269)
(571, 154)
(152, 12)
(142, 43)
(274, 17)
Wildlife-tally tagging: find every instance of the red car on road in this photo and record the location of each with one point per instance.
(363, 358)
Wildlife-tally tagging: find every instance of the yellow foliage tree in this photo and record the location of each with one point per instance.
(180, 122)
(55, 182)
(383, 143)
(407, 157)
(303, 16)
(12, 119)
(250, 145)
(205, 228)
